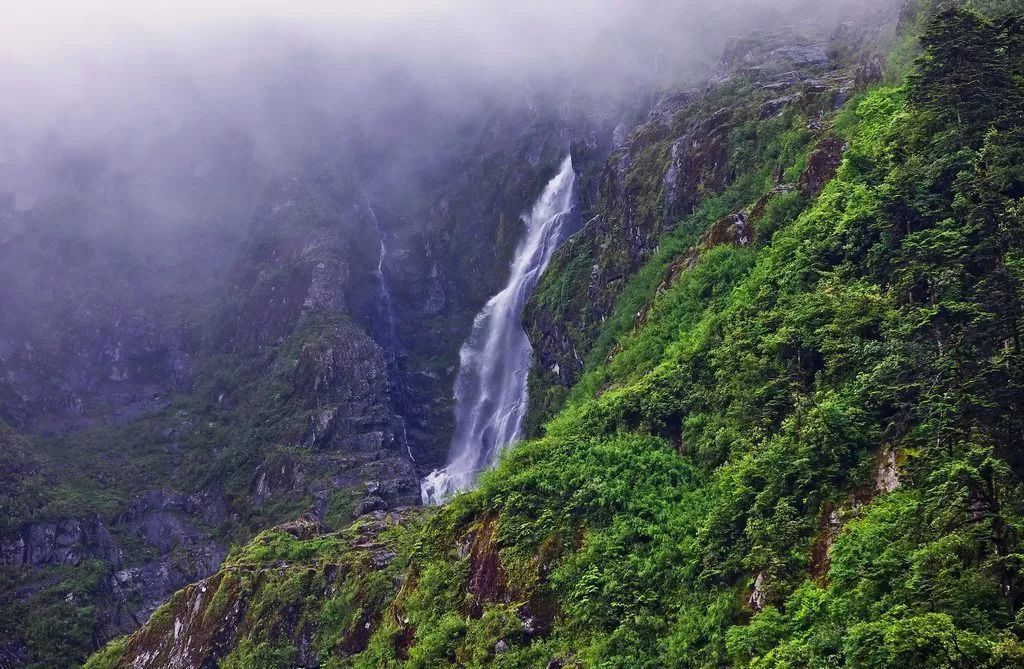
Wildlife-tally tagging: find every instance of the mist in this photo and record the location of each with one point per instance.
(113, 65)
(164, 121)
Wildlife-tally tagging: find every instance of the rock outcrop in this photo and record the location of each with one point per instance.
(67, 542)
(214, 619)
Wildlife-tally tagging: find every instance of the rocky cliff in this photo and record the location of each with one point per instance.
(166, 397)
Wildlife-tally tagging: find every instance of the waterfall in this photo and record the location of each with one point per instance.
(390, 341)
(385, 294)
(490, 390)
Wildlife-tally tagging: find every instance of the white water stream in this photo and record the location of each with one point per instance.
(490, 390)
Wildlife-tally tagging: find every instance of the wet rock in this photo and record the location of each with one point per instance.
(113, 372)
(869, 71)
(831, 525)
(822, 165)
(699, 162)
(759, 596)
(138, 591)
(773, 107)
(887, 477)
(777, 51)
(304, 527)
(130, 593)
(369, 505)
(487, 581)
(65, 542)
(665, 111)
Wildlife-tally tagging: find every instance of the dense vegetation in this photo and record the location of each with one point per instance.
(809, 454)
(806, 454)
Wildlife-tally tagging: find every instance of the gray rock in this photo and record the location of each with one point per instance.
(369, 505)
(65, 542)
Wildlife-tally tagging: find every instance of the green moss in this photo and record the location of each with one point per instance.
(253, 655)
(273, 545)
(163, 616)
(109, 657)
(227, 593)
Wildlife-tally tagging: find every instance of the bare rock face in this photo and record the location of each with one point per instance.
(758, 596)
(170, 526)
(779, 50)
(65, 542)
(354, 436)
(887, 474)
(83, 341)
(822, 165)
(113, 373)
(138, 591)
(308, 288)
(302, 258)
(343, 372)
(488, 581)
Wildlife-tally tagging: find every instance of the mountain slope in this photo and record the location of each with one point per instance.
(701, 154)
(803, 451)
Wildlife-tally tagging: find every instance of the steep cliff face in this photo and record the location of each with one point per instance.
(173, 395)
(102, 266)
(85, 350)
(300, 366)
(446, 261)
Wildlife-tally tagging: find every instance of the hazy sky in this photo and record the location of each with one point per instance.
(150, 119)
(44, 26)
(126, 74)
(68, 63)
(513, 27)
(56, 50)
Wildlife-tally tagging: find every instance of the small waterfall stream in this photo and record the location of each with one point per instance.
(385, 294)
(390, 342)
(490, 390)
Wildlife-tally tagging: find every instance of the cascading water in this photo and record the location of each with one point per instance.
(385, 294)
(490, 390)
(390, 342)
